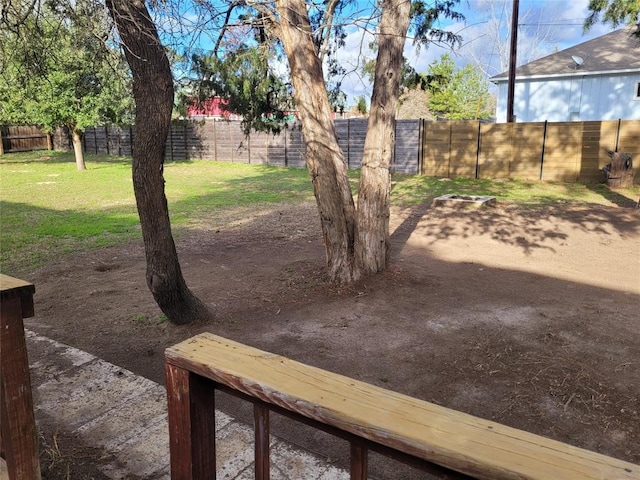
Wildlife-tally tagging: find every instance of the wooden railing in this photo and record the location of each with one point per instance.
(425, 435)
(18, 436)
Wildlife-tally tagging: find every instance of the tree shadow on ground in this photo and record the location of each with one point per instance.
(528, 228)
(530, 350)
(613, 196)
(50, 156)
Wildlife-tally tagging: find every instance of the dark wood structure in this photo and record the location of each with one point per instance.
(619, 172)
(23, 138)
(422, 434)
(18, 435)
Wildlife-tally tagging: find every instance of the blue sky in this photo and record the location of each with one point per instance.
(545, 26)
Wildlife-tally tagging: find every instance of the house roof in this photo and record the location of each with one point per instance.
(618, 51)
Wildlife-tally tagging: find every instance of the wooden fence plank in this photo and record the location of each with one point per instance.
(597, 139)
(343, 130)
(405, 158)
(23, 138)
(296, 147)
(259, 142)
(562, 151)
(629, 139)
(356, 139)
(276, 150)
(464, 149)
(437, 148)
(496, 150)
(527, 141)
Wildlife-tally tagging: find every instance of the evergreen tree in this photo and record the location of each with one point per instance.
(59, 70)
(615, 12)
(461, 94)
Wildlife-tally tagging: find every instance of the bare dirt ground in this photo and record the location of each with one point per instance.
(529, 317)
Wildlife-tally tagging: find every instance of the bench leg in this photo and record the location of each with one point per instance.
(261, 430)
(359, 461)
(17, 422)
(191, 407)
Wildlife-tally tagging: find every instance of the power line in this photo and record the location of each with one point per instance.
(549, 24)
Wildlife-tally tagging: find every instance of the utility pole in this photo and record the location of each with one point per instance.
(511, 87)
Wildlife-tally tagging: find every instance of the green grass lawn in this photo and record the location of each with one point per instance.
(49, 209)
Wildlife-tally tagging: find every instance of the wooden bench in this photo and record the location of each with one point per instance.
(425, 435)
(18, 435)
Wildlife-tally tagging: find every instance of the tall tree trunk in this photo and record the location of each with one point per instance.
(324, 157)
(76, 136)
(373, 241)
(153, 94)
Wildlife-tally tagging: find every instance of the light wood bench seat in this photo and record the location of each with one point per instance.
(454, 440)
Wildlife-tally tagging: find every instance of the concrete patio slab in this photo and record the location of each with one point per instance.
(124, 417)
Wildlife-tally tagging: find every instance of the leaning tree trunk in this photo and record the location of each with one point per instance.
(324, 157)
(373, 241)
(76, 136)
(153, 94)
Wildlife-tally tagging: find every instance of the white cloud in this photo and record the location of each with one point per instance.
(352, 57)
(544, 26)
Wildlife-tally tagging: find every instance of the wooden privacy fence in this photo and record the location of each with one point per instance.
(427, 436)
(562, 151)
(565, 151)
(23, 139)
(225, 141)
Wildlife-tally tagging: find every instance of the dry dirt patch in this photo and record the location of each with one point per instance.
(529, 317)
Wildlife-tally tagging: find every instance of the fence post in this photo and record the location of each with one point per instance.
(95, 139)
(215, 141)
(544, 142)
(420, 147)
(286, 152)
(106, 139)
(618, 134)
(131, 138)
(478, 150)
(171, 141)
(186, 141)
(450, 129)
(395, 146)
(348, 143)
(1, 142)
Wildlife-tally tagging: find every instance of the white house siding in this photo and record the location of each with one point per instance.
(591, 97)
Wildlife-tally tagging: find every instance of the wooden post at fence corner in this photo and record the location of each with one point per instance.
(18, 434)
